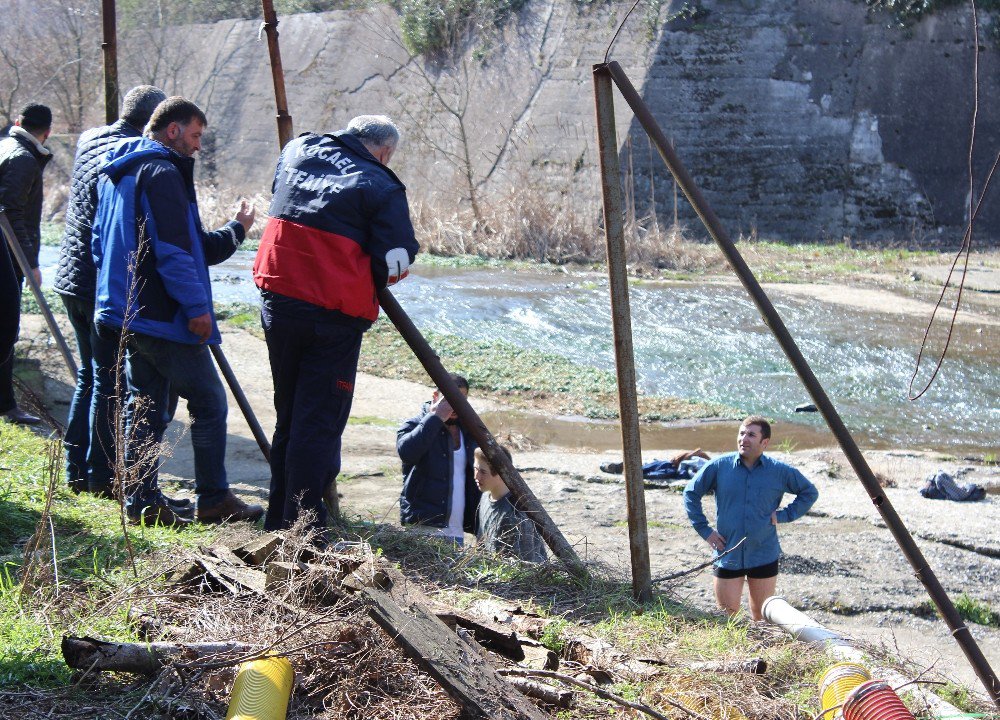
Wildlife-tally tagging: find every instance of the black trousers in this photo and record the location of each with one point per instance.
(314, 365)
(10, 320)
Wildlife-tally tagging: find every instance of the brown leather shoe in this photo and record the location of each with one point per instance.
(158, 512)
(231, 508)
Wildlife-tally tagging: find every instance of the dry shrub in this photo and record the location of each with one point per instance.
(524, 224)
(217, 206)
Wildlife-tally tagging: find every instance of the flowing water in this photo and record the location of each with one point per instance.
(707, 342)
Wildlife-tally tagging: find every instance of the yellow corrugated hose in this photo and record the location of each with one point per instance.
(261, 690)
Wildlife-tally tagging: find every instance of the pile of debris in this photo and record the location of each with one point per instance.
(339, 615)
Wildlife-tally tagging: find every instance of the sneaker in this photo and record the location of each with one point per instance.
(21, 417)
(615, 468)
(157, 512)
(231, 508)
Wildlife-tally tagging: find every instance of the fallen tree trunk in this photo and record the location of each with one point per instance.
(87, 653)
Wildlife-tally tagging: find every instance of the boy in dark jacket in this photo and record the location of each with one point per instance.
(23, 157)
(439, 487)
(90, 446)
(152, 257)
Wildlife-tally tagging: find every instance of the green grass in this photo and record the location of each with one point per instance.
(521, 377)
(91, 559)
(977, 611)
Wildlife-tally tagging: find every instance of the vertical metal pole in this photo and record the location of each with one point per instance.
(15, 249)
(621, 317)
(902, 536)
(524, 499)
(110, 48)
(277, 73)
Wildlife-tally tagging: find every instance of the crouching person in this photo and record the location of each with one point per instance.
(501, 527)
(439, 491)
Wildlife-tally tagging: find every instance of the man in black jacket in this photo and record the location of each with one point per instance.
(23, 157)
(439, 485)
(89, 439)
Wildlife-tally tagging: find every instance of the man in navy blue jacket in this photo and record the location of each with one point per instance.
(748, 487)
(439, 484)
(339, 229)
(89, 446)
(152, 257)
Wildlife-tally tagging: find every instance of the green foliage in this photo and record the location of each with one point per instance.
(431, 28)
(977, 611)
(552, 636)
(908, 12)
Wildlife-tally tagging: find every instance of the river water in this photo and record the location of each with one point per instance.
(707, 342)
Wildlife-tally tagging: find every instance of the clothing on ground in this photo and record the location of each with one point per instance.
(942, 486)
(505, 530)
(744, 500)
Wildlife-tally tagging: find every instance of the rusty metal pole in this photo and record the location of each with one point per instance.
(277, 73)
(903, 538)
(110, 48)
(241, 400)
(22, 261)
(621, 319)
(524, 498)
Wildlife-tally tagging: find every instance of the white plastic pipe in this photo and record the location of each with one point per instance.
(796, 623)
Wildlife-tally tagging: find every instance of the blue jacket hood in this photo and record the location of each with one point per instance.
(124, 155)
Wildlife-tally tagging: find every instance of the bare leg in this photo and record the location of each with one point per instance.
(760, 590)
(729, 593)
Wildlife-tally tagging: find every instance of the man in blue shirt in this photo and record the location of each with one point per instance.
(748, 490)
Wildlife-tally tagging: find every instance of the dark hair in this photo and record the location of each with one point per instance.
(34, 117)
(482, 455)
(765, 426)
(139, 104)
(174, 110)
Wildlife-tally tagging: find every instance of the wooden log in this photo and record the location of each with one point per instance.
(540, 691)
(259, 550)
(504, 643)
(462, 672)
(87, 653)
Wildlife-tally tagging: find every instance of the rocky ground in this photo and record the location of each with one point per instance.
(841, 563)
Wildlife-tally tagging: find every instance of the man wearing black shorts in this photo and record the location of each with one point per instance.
(748, 490)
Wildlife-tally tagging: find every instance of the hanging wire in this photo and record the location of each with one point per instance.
(966, 247)
(607, 53)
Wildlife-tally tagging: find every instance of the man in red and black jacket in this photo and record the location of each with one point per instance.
(340, 228)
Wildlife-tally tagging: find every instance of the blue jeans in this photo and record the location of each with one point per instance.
(314, 365)
(155, 367)
(89, 438)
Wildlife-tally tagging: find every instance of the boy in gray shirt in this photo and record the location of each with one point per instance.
(502, 528)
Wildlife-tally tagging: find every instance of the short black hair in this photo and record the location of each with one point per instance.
(139, 104)
(174, 110)
(761, 422)
(34, 117)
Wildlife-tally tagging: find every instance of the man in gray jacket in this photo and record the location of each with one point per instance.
(89, 439)
(23, 157)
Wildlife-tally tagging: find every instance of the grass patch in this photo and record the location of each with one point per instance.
(91, 558)
(372, 420)
(520, 377)
(977, 611)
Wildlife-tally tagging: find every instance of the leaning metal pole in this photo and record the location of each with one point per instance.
(277, 73)
(241, 400)
(902, 536)
(22, 261)
(621, 318)
(110, 48)
(524, 499)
